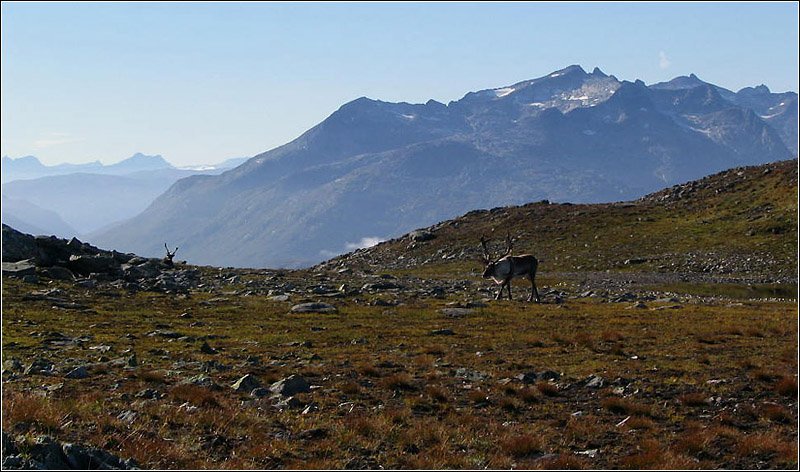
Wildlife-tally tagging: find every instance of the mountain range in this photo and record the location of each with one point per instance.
(69, 200)
(374, 170)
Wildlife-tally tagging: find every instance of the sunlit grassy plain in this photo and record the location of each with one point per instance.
(704, 382)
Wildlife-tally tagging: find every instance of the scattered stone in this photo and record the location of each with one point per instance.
(527, 377)
(78, 373)
(39, 367)
(206, 349)
(315, 433)
(420, 236)
(30, 279)
(594, 381)
(314, 308)
(549, 375)
(455, 312)
(248, 383)
(19, 269)
(290, 386)
(260, 392)
(290, 402)
(442, 332)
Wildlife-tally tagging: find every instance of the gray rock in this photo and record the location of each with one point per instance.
(57, 273)
(291, 385)
(19, 269)
(442, 332)
(260, 392)
(247, 383)
(39, 367)
(98, 263)
(206, 349)
(30, 279)
(527, 377)
(594, 381)
(78, 373)
(455, 312)
(290, 402)
(421, 236)
(314, 308)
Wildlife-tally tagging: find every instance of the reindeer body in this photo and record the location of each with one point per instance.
(505, 269)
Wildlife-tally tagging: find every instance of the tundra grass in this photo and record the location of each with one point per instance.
(692, 385)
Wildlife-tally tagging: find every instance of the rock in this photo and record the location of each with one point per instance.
(594, 381)
(30, 279)
(455, 312)
(19, 269)
(78, 373)
(201, 380)
(17, 246)
(206, 349)
(280, 298)
(13, 364)
(471, 375)
(314, 308)
(420, 236)
(48, 453)
(290, 402)
(442, 332)
(315, 433)
(39, 367)
(527, 377)
(259, 392)
(549, 375)
(98, 263)
(290, 386)
(247, 383)
(85, 458)
(57, 273)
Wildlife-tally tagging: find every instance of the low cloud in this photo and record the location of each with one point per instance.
(663, 60)
(364, 243)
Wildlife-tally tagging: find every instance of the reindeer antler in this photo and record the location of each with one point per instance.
(486, 257)
(509, 244)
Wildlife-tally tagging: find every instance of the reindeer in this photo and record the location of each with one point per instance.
(507, 267)
(168, 258)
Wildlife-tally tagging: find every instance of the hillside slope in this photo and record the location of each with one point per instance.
(740, 222)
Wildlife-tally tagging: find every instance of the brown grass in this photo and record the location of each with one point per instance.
(522, 445)
(695, 399)
(787, 387)
(625, 406)
(195, 395)
(548, 389)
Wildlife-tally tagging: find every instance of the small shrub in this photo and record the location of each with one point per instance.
(548, 388)
(776, 413)
(350, 388)
(437, 393)
(624, 406)
(195, 395)
(399, 381)
(529, 395)
(522, 445)
(369, 371)
(787, 387)
(693, 399)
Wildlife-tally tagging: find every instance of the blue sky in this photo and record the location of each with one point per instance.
(203, 82)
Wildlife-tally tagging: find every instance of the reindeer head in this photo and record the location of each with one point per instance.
(490, 263)
(169, 255)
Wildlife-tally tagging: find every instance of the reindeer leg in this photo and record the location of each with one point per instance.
(500, 292)
(508, 284)
(534, 290)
